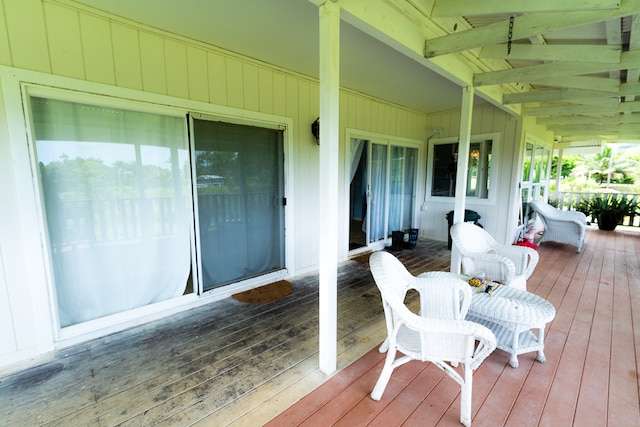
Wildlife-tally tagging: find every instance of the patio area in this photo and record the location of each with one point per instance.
(232, 363)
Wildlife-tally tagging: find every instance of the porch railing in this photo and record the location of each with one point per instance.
(569, 200)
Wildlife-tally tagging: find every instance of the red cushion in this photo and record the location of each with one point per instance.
(527, 244)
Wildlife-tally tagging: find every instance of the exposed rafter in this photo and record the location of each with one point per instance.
(556, 95)
(588, 120)
(628, 60)
(608, 54)
(524, 26)
(574, 64)
(580, 82)
(449, 8)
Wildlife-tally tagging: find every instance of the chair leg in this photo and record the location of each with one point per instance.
(384, 346)
(385, 375)
(465, 396)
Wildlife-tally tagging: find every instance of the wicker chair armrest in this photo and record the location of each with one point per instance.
(524, 259)
(574, 216)
(452, 331)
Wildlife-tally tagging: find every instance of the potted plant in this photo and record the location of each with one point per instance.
(609, 209)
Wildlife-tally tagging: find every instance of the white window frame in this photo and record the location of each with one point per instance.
(493, 178)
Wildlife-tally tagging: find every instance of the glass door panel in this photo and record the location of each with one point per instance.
(239, 173)
(116, 191)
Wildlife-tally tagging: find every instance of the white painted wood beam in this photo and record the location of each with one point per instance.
(554, 110)
(555, 95)
(524, 26)
(598, 129)
(634, 43)
(580, 82)
(600, 99)
(608, 54)
(589, 120)
(629, 89)
(444, 8)
(466, 115)
(628, 60)
(629, 107)
(329, 16)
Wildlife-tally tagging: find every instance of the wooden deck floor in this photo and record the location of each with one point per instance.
(230, 363)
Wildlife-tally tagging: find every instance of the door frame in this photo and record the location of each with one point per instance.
(251, 282)
(389, 140)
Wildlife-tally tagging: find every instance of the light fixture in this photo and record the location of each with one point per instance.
(315, 130)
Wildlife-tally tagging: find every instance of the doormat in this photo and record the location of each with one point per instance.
(362, 259)
(263, 294)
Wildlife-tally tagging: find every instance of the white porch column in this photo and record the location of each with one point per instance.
(462, 167)
(558, 173)
(329, 144)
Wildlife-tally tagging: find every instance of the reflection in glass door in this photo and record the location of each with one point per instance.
(115, 187)
(240, 201)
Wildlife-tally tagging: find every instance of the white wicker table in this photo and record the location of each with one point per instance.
(511, 314)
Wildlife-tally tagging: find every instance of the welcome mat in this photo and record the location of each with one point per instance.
(362, 259)
(263, 294)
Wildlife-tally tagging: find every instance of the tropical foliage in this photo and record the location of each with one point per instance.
(609, 209)
(614, 169)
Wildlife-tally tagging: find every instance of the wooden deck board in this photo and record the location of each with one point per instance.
(230, 363)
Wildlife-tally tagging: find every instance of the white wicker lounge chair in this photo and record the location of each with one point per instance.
(560, 226)
(438, 335)
(481, 254)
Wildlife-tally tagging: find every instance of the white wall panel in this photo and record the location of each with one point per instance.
(95, 47)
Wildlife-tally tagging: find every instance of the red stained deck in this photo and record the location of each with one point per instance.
(590, 377)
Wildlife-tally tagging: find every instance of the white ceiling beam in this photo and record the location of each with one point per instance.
(630, 89)
(545, 52)
(628, 60)
(597, 129)
(446, 8)
(554, 110)
(580, 82)
(586, 120)
(597, 97)
(524, 26)
(634, 43)
(629, 107)
(555, 95)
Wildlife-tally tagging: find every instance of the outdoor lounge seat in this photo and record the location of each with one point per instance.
(560, 226)
(438, 335)
(482, 256)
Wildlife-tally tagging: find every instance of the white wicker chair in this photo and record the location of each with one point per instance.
(560, 226)
(438, 335)
(481, 254)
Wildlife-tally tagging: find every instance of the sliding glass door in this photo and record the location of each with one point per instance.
(382, 190)
(117, 188)
(240, 201)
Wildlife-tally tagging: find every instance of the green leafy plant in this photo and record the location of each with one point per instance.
(609, 209)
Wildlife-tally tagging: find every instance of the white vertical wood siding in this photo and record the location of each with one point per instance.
(73, 41)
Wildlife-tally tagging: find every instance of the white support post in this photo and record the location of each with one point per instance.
(558, 175)
(462, 167)
(329, 145)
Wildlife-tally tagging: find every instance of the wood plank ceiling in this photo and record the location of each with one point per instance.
(573, 64)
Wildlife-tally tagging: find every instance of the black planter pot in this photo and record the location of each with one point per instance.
(607, 221)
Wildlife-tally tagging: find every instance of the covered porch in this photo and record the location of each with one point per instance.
(232, 363)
